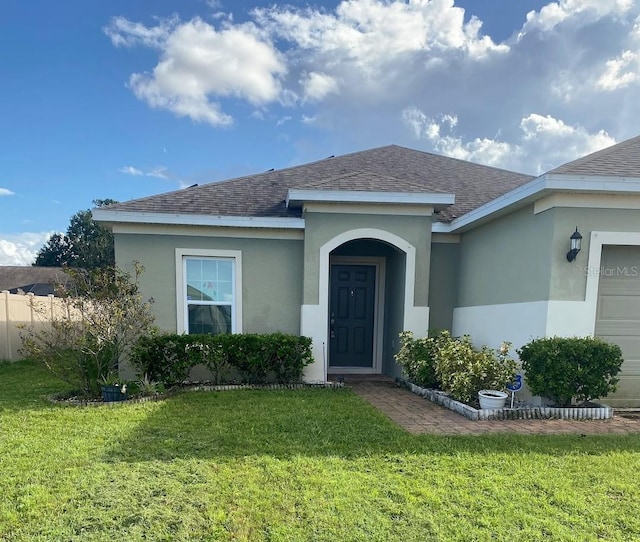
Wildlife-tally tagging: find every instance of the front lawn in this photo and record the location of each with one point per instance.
(292, 465)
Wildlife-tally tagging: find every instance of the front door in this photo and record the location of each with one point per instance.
(351, 315)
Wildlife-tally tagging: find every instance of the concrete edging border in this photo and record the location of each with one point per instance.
(531, 413)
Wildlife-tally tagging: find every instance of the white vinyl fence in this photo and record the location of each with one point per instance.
(19, 311)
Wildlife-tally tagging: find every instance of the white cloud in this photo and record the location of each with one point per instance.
(21, 249)
(318, 85)
(125, 33)
(130, 170)
(6, 192)
(371, 33)
(158, 172)
(586, 11)
(200, 64)
(544, 142)
(371, 72)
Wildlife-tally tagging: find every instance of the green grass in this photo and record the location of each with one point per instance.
(292, 465)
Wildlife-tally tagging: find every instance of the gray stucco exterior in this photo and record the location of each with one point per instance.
(490, 262)
(272, 290)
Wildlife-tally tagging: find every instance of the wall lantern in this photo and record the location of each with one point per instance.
(576, 241)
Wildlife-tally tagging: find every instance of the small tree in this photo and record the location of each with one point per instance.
(568, 368)
(86, 245)
(96, 332)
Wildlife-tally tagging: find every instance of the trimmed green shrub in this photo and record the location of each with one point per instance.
(256, 358)
(164, 358)
(564, 369)
(464, 370)
(417, 357)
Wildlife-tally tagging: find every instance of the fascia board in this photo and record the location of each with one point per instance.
(105, 215)
(298, 197)
(549, 182)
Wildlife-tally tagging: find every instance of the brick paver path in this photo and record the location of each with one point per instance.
(417, 415)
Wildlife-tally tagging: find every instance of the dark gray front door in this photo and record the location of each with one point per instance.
(351, 315)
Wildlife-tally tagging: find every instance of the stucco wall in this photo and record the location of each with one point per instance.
(568, 280)
(322, 227)
(443, 284)
(507, 260)
(271, 282)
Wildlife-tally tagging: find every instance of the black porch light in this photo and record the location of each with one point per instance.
(576, 241)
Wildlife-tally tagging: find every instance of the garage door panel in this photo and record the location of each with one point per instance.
(619, 307)
(626, 395)
(618, 317)
(623, 286)
(616, 328)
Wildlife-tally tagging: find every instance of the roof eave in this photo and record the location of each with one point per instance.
(298, 197)
(184, 219)
(536, 189)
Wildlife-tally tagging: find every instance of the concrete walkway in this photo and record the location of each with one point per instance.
(417, 415)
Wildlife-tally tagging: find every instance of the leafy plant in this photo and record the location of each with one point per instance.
(256, 358)
(571, 368)
(417, 357)
(93, 336)
(464, 370)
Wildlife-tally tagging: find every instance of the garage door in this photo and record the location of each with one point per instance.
(618, 317)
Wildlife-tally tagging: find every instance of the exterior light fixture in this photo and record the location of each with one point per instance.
(576, 241)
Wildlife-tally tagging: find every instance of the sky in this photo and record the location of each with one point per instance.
(126, 99)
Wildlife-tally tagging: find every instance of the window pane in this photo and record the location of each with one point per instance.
(210, 270)
(194, 271)
(196, 291)
(225, 291)
(212, 319)
(225, 270)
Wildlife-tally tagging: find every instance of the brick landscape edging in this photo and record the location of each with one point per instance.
(528, 413)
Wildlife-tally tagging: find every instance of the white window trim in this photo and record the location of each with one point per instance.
(181, 306)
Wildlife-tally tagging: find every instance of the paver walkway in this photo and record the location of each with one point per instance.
(417, 415)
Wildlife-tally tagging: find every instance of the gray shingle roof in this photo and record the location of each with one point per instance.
(32, 279)
(621, 160)
(391, 168)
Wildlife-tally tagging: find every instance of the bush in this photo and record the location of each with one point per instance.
(417, 357)
(564, 369)
(256, 358)
(464, 370)
(89, 340)
(163, 358)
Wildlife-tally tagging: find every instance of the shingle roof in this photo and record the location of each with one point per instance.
(621, 160)
(391, 168)
(32, 279)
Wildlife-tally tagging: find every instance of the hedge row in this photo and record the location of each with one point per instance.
(254, 358)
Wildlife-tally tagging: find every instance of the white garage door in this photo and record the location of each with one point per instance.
(618, 317)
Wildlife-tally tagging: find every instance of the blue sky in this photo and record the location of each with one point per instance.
(126, 99)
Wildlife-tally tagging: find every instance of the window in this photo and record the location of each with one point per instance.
(207, 291)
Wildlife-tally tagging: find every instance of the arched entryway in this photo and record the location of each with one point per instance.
(367, 274)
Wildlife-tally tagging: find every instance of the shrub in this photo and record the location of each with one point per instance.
(256, 358)
(417, 357)
(464, 370)
(94, 335)
(163, 357)
(564, 369)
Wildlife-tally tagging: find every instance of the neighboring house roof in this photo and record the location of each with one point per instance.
(621, 160)
(384, 169)
(28, 279)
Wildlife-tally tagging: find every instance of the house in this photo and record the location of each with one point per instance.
(352, 250)
(32, 280)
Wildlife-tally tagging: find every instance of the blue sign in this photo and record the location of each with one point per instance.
(516, 385)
